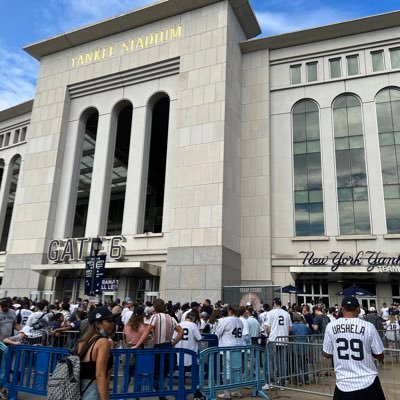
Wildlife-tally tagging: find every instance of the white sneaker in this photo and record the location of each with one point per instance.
(236, 394)
(266, 387)
(225, 395)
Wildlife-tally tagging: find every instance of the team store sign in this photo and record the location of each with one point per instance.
(336, 259)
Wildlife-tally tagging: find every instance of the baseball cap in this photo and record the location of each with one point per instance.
(350, 301)
(4, 301)
(277, 301)
(204, 314)
(372, 309)
(138, 311)
(194, 304)
(332, 310)
(100, 314)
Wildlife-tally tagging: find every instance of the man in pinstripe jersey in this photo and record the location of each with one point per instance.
(354, 343)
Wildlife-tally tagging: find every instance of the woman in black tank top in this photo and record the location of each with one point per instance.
(96, 362)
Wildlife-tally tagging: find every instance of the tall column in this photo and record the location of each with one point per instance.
(137, 171)
(101, 178)
(169, 169)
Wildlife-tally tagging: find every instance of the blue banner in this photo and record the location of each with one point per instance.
(93, 281)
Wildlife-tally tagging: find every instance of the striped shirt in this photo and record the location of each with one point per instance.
(352, 341)
(163, 327)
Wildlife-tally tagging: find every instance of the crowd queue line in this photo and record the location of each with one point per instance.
(166, 325)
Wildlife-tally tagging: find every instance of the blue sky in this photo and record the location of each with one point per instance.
(25, 21)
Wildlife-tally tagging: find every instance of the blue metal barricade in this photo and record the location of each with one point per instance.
(3, 356)
(28, 367)
(231, 368)
(153, 372)
(208, 340)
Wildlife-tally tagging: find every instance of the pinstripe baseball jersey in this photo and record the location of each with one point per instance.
(352, 341)
(279, 322)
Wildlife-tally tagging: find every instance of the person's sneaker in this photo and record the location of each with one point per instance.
(266, 387)
(225, 395)
(236, 394)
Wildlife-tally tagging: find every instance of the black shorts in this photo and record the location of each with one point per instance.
(373, 392)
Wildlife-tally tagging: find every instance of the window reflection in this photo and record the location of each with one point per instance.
(154, 209)
(309, 213)
(85, 174)
(120, 170)
(350, 166)
(387, 110)
(15, 168)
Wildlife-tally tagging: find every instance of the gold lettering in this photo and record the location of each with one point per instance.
(176, 33)
(73, 61)
(97, 55)
(80, 59)
(139, 43)
(89, 57)
(103, 53)
(125, 47)
(149, 40)
(112, 50)
(156, 38)
(132, 44)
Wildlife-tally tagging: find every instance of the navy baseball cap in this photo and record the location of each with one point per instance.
(350, 301)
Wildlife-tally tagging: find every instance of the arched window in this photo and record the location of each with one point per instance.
(309, 207)
(388, 115)
(85, 171)
(15, 166)
(1, 171)
(350, 166)
(154, 207)
(123, 112)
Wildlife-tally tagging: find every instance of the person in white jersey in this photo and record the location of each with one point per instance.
(277, 324)
(190, 340)
(229, 331)
(353, 344)
(23, 313)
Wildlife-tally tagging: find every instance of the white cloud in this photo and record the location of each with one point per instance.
(18, 73)
(64, 15)
(273, 23)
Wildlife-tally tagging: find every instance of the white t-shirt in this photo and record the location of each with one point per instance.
(190, 339)
(261, 318)
(34, 317)
(352, 341)
(279, 322)
(229, 331)
(126, 316)
(385, 313)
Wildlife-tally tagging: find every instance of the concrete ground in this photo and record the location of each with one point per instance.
(321, 388)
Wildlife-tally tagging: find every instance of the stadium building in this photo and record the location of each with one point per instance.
(204, 157)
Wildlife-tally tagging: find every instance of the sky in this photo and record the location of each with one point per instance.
(23, 22)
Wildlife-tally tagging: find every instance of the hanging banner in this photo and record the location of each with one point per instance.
(94, 281)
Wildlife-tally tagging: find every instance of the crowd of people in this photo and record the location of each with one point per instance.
(161, 324)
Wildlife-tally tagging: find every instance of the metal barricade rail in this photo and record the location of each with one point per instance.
(301, 367)
(154, 373)
(28, 368)
(137, 373)
(231, 368)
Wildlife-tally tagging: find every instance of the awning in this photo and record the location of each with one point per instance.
(138, 269)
